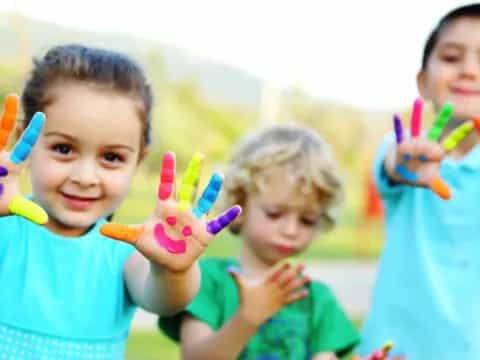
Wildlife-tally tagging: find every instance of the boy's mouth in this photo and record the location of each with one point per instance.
(465, 91)
(285, 249)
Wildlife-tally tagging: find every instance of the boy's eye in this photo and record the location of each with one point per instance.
(112, 157)
(273, 214)
(63, 149)
(309, 222)
(450, 58)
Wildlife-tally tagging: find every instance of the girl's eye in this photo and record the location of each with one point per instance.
(112, 157)
(63, 149)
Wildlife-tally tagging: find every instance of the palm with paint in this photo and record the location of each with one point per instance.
(12, 163)
(175, 228)
(417, 160)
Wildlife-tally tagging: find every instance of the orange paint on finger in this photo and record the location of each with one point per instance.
(441, 188)
(8, 118)
(122, 232)
(476, 123)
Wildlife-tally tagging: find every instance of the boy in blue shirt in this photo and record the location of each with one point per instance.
(426, 296)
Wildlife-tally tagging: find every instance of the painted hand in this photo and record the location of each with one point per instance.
(418, 160)
(381, 354)
(12, 162)
(261, 299)
(177, 234)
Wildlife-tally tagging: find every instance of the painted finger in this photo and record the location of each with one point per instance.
(383, 353)
(236, 274)
(167, 176)
(457, 135)
(443, 117)
(296, 284)
(405, 173)
(277, 271)
(476, 123)
(9, 115)
(189, 182)
(126, 233)
(223, 220)
(295, 296)
(29, 137)
(19, 205)
(440, 188)
(291, 275)
(209, 196)
(397, 125)
(416, 119)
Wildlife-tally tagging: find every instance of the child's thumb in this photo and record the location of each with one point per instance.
(235, 273)
(126, 233)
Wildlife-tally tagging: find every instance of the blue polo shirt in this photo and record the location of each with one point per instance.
(427, 294)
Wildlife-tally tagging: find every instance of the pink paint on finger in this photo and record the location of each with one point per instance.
(416, 117)
(167, 176)
(171, 245)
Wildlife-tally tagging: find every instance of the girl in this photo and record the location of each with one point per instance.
(70, 292)
(257, 305)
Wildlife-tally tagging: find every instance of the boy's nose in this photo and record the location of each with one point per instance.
(471, 66)
(85, 173)
(290, 225)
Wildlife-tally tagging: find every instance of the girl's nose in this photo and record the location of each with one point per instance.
(85, 173)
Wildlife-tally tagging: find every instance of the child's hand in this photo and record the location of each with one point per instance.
(176, 235)
(261, 299)
(416, 161)
(381, 354)
(11, 163)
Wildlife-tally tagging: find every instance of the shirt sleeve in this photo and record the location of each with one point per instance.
(205, 306)
(385, 186)
(332, 329)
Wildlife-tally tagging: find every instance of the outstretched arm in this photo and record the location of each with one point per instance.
(163, 275)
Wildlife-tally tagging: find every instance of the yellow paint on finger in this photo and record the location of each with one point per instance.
(28, 209)
(189, 182)
(457, 135)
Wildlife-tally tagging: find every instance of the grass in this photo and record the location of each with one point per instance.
(150, 345)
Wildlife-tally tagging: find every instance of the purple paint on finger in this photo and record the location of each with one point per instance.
(218, 224)
(1, 189)
(397, 125)
(3, 171)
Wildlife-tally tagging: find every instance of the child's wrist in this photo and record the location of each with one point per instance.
(253, 322)
(162, 270)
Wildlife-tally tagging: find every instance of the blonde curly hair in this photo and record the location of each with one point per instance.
(306, 156)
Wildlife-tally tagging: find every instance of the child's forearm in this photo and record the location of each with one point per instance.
(160, 290)
(224, 344)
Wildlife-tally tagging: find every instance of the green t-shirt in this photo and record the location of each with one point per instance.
(311, 325)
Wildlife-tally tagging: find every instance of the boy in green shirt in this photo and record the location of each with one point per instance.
(259, 306)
